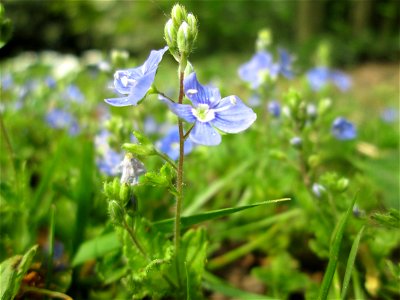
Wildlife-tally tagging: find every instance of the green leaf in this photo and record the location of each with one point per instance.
(5, 27)
(391, 219)
(337, 237)
(96, 247)
(187, 221)
(211, 282)
(12, 271)
(350, 264)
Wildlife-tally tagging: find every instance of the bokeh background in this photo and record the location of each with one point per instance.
(356, 31)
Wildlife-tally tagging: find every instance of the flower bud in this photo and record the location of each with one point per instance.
(124, 194)
(192, 22)
(324, 105)
(264, 40)
(170, 35)
(116, 212)
(184, 39)
(342, 184)
(178, 14)
(119, 58)
(314, 161)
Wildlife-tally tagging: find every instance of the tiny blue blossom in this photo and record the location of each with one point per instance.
(341, 80)
(311, 110)
(254, 100)
(296, 141)
(73, 93)
(343, 130)
(208, 111)
(50, 82)
(135, 83)
(389, 115)
(7, 81)
(319, 77)
(274, 108)
(258, 68)
(60, 119)
(170, 144)
(285, 64)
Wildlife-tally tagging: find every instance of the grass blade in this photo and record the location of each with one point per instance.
(334, 253)
(167, 225)
(350, 263)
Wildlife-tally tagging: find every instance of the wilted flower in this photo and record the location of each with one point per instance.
(135, 83)
(258, 68)
(61, 119)
(132, 168)
(170, 144)
(228, 114)
(343, 129)
(274, 108)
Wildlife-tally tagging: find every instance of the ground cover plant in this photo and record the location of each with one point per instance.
(164, 177)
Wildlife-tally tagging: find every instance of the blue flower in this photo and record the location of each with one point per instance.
(343, 129)
(318, 189)
(109, 162)
(50, 82)
(60, 119)
(170, 144)
(319, 77)
(274, 108)
(73, 93)
(258, 68)
(341, 80)
(209, 111)
(389, 115)
(135, 83)
(285, 64)
(7, 81)
(254, 100)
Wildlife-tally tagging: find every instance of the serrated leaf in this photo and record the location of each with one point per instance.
(187, 221)
(390, 219)
(12, 271)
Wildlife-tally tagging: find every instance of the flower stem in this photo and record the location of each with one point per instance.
(134, 239)
(179, 182)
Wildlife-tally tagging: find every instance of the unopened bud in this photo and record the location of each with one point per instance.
(342, 184)
(192, 22)
(178, 14)
(125, 194)
(116, 212)
(324, 105)
(264, 40)
(183, 39)
(119, 58)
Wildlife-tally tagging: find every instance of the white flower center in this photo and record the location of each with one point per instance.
(203, 113)
(125, 80)
(192, 91)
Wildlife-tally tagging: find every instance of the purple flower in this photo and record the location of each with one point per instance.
(256, 70)
(274, 108)
(109, 162)
(60, 119)
(170, 144)
(343, 129)
(228, 114)
(135, 83)
(285, 64)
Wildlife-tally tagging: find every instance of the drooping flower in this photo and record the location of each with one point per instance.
(60, 119)
(343, 130)
(170, 144)
(132, 168)
(208, 111)
(256, 71)
(135, 83)
(274, 108)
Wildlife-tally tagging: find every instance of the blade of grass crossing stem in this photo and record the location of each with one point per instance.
(334, 253)
(213, 283)
(214, 188)
(83, 193)
(187, 221)
(51, 246)
(350, 263)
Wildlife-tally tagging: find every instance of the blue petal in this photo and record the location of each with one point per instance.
(341, 80)
(318, 77)
(130, 74)
(204, 134)
(233, 116)
(123, 101)
(183, 111)
(198, 93)
(155, 57)
(250, 71)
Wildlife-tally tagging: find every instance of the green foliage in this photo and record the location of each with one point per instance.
(12, 271)
(5, 27)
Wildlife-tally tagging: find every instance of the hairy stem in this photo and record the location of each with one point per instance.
(179, 182)
(134, 239)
